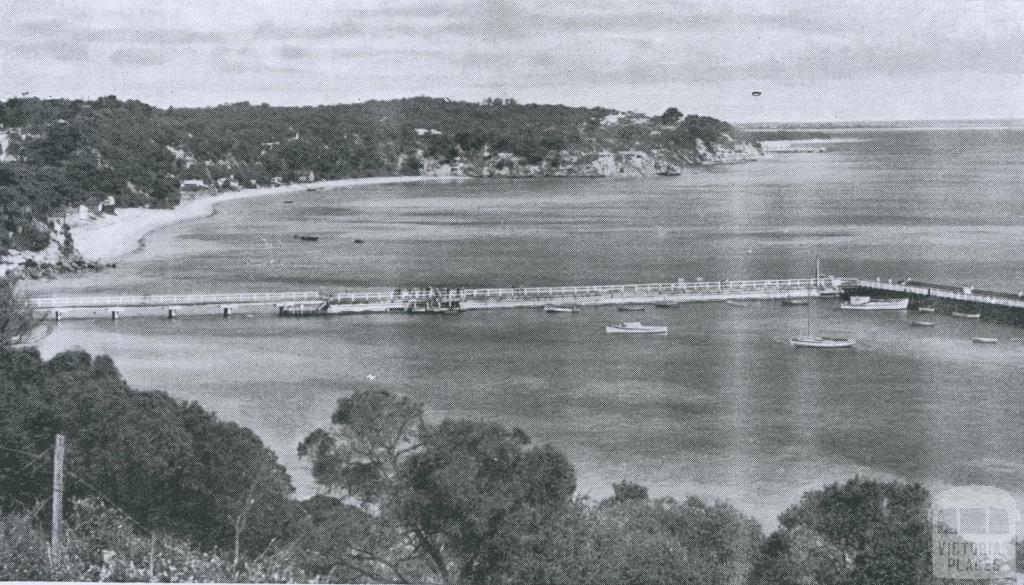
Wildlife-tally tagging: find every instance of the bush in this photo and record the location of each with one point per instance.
(171, 465)
(102, 544)
(24, 549)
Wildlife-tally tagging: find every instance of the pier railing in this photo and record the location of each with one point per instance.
(172, 300)
(569, 292)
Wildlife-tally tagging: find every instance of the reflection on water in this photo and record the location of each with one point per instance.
(722, 407)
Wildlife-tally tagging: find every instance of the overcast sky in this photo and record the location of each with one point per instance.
(810, 59)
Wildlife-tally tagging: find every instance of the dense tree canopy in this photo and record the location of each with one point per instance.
(861, 532)
(640, 541)
(475, 491)
(169, 464)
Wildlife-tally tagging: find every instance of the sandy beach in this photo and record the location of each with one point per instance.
(110, 237)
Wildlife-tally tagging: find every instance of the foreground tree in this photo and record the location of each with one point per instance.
(475, 492)
(450, 501)
(360, 454)
(357, 459)
(863, 531)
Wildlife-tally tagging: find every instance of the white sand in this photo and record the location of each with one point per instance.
(113, 236)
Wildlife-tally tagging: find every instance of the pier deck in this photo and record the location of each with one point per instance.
(173, 300)
(990, 305)
(479, 298)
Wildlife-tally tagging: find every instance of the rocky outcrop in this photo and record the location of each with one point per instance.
(59, 257)
(604, 163)
(624, 145)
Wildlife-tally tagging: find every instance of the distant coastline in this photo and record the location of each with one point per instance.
(882, 125)
(111, 237)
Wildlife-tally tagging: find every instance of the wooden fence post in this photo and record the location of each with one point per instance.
(56, 540)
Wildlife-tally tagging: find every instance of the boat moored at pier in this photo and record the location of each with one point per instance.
(561, 309)
(866, 304)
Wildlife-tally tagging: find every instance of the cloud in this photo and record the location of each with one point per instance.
(641, 55)
(137, 56)
(47, 50)
(293, 53)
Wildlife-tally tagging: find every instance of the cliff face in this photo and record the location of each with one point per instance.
(620, 145)
(604, 163)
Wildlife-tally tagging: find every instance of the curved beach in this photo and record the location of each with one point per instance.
(112, 236)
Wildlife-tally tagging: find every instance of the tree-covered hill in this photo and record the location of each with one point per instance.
(60, 153)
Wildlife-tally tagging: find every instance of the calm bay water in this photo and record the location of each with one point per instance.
(722, 407)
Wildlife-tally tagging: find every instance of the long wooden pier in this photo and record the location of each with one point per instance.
(494, 298)
(995, 306)
(426, 298)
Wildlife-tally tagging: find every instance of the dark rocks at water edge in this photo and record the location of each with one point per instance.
(39, 271)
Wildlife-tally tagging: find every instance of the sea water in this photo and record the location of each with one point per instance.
(722, 407)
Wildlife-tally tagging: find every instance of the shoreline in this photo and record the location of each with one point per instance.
(111, 237)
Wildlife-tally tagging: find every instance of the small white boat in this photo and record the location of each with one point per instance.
(967, 315)
(822, 342)
(635, 327)
(736, 303)
(632, 308)
(795, 302)
(666, 304)
(561, 309)
(988, 340)
(866, 304)
(925, 310)
(922, 324)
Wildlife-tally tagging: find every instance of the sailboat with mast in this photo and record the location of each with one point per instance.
(808, 339)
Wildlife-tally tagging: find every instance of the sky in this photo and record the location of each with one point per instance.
(812, 60)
